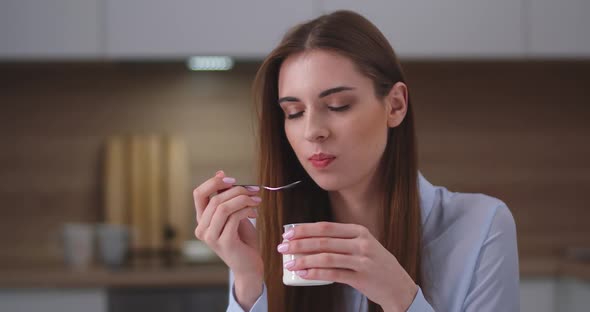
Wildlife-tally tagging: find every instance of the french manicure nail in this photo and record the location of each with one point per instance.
(252, 188)
(229, 180)
(301, 272)
(256, 199)
(283, 247)
(289, 264)
(288, 234)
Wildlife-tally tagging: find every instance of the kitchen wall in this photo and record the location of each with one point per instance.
(514, 130)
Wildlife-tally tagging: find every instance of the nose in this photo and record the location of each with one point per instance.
(316, 129)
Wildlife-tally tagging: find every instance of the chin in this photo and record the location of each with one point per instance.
(328, 183)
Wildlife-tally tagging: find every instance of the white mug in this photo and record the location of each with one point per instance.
(113, 243)
(78, 243)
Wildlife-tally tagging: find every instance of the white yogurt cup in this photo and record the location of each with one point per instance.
(290, 278)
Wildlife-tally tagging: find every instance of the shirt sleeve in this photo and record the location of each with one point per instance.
(260, 305)
(495, 283)
(420, 304)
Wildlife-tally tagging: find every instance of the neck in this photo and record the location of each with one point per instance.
(358, 204)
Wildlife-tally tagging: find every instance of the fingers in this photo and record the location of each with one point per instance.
(227, 208)
(230, 230)
(206, 206)
(343, 276)
(328, 267)
(220, 199)
(330, 229)
(319, 245)
(247, 232)
(325, 261)
(202, 192)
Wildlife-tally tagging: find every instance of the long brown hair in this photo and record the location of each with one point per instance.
(352, 36)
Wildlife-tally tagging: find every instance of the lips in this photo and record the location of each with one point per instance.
(321, 156)
(321, 160)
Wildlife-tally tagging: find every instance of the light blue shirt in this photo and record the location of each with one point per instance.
(469, 256)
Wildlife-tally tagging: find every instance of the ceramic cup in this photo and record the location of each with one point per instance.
(78, 243)
(113, 243)
(290, 278)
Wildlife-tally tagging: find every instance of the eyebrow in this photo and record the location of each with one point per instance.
(321, 95)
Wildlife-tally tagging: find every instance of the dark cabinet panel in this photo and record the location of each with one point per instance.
(210, 299)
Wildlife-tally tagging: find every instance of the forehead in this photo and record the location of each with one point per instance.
(317, 70)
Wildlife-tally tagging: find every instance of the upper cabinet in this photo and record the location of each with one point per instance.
(49, 29)
(445, 28)
(180, 28)
(559, 28)
(175, 29)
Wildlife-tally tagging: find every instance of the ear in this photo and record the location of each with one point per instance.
(396, 103)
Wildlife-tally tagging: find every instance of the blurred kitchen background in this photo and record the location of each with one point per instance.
(112, 111)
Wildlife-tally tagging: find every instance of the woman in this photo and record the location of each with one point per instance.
(334, 111)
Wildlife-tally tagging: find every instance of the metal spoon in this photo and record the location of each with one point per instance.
(279, 188)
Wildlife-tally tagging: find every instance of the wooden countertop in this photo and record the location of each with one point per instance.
(539, 267)
(211, 274)
(554, 267)
(575, 269)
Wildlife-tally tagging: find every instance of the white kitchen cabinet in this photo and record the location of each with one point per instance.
(53, 300)
(559, 28)
(445, 28)
(538, 295)
(175, 29)
(50, 29)
(573, 295)
(180, 28)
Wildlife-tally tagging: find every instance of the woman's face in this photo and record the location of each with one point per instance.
(333, 120)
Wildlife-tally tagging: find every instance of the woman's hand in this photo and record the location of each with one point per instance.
(222, 212)
(349, 254)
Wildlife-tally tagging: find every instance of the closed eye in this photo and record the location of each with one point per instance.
(339, 108)
(296, 115)
(332, 108)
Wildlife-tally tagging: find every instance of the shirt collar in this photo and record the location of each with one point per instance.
(427, 193)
